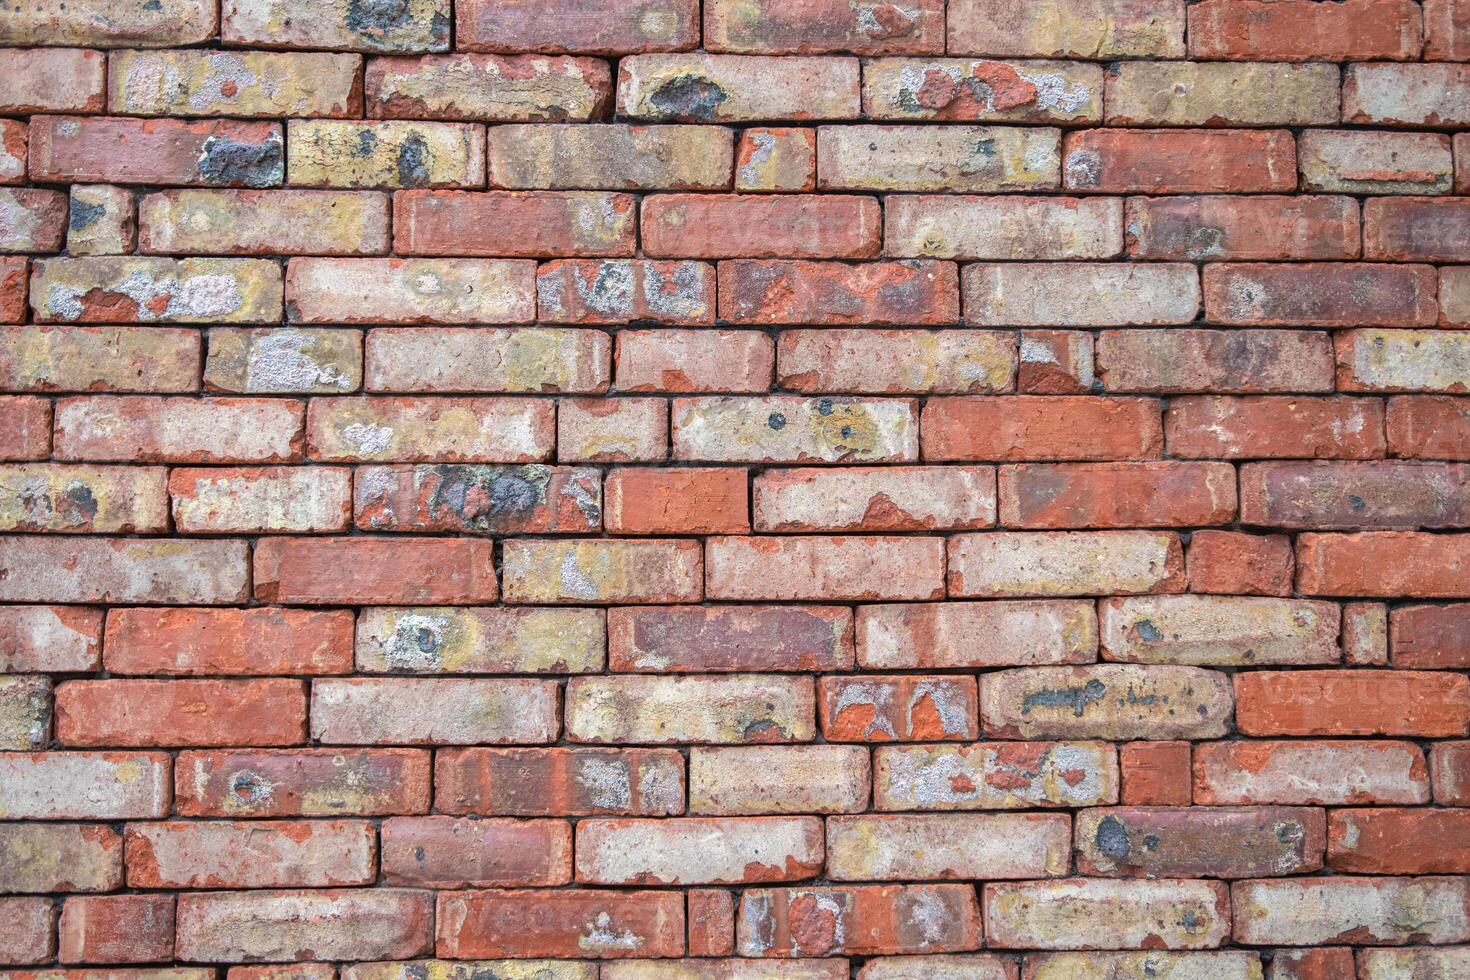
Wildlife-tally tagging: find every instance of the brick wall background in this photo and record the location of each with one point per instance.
(770, 488)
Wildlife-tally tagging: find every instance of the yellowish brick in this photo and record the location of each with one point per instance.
(611, 156)
(961, 159)
(703, 709)
(284, 360)
(559, 571)
(81, 498)
(118, 359)
(126, 289)
(331, 153)
(233, 83)
(264, 222)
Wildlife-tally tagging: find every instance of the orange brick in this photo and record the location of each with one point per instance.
(687, 500)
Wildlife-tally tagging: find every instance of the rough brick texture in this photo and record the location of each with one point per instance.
(734, 489)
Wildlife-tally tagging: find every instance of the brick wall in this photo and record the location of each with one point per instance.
(642, 490)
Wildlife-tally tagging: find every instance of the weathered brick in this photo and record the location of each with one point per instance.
(1160, 494)
(1446, 38)
(1430, 637)
(710, 226)
(1232, 228)
(191, 642)
(284, 971)
(717, 710)
(791, 429)
(374, 571)
(698, 850)
(1167, 842)
(1320, 294)
(611, 156)
(1002, 564)
(1454, 296)
(59, 857)
(1235, 563)
(857, 920)
(1188, 93)
(385, 154)
(320, 290)
(82, 498)
(577, 26)
(1300, 30)
(560, 781)
(1078, 294)
(612, 429)
(433, 711)
(1450, 762)
(1384, 494)
(261, 500)
(122, 150)
(624, 290)
(14, 137)
(414, 25)
(817, 26)
(485, 499)
(1365, 634)
(78, 786)
(31, 937)
(940, 845)
(123, 570)
(28, 431)
(1416, 229)
(178, 430)
(480, 359)
(687, 500)
(779, 779)
(942, 635)
(913, 291)
(461, 970)
(149, 713)
(1219, 630)
(1319, 963)
(871, 361)
(1033, 228)
(602, 571)
(1156, 773)
(1212, 426)
(112, 359)
(249, 222)
(1090, 912)
(301, 782)
(1399, 964)
(851, 568)
(958, 966)
(1309, 773)
(775, 159)
(908, 708)
(1068, 428)
(1380, 911)
(1106, 701)
(694, 360)
(14, 272)
(1407, 95)
(116, 929)
(729, 638)
(719, 88)
(446, 430)
(586, 923)
(1403, 360)
(875, 499)
(1351, 162)
(1197, 360)
(964, 90)
(1233, 964)
(711, 915)
(1432, 426)
(1068, 28)
(516, 224)
(1398, 841)
(100, 220)
(76, 79)
(32, 219)
(283, 360)
(124, 289)
(223, 854)
(958, 159)
(1180, 161)
(432, 640)
(1384, 563)
(487, 88)
(234, 83)
(97, 23)
(1420, 704)
(451, 852)
(25, 712)
(324, 924)
(995, 776)
(60, 639)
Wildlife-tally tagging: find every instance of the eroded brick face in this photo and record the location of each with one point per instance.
(734, 489)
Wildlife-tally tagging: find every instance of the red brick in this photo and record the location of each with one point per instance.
(1180, 161)
(1068, 28)
(1170, 842)
(1446, 30)
(687, 500)
(116, 929)
(824, 26)
(448, 498)
(492, 88)
(451, 852)
(560, 781)
(1072, 428)
(1375, 911)
(913, 291)
(1335, 772)
(729, 638)
(1352, 702)
(1311, 964)
(75, 80)
(711, 922)
(124, 571)
(577, 26)
(1233, 563)
(1429, 427)
(1321, 295)
(1198, 360)
(1431, 637)
(1391, 564)
(1416, 229)
(698, 850)
(187, 642)
(1217, 427)
(122, 150)
(27, 432)
(1302, 30)
(374, 571)
(587, 923)
(31, 937)
(875, 499)
(941, 635)
(1370, 495)
(1163, 494)
(13, 140)
(14, 272)
(46, 639)
(150, 428)
(910, 708)
(1450, 762)
(1155, 773)
(694, 360)
(852, 568)
(301, 782)
(1242, 229)
(507, 224)
(858, 920)
(321, 924)
(247, 854)
(148, 713)
(1396, 841)
(719, 226)
(624, 290)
